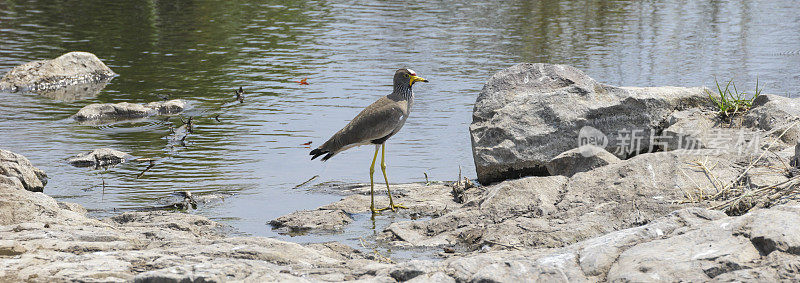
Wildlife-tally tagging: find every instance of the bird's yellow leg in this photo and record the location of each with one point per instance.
(392, 206)
(372, 183)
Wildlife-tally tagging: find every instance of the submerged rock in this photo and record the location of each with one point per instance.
(184, 200)
(421, 200)
(529, 113)
(126, 110)
(68, 69)
(16, 171)
(99, 158)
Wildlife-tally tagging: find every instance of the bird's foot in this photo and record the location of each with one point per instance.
(393, 207)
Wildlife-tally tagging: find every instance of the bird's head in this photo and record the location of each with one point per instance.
(407, 77)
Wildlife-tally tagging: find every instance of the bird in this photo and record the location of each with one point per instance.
(374, 125)
(239, 95)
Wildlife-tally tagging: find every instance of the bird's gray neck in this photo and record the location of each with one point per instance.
(402, 92)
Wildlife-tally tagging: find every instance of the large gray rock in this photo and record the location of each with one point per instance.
(125, 110)
(68, 69)
(17, 171)
(528, 114)
(18, 206)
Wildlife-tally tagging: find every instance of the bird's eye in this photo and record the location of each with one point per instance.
(406, 75)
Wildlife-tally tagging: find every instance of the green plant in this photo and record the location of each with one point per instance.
(731, 101)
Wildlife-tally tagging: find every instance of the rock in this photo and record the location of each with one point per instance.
(126, 110)
(17, 171)
(532, 266)
(772, 230)
(305, 220)
(726, 248)
(74, 207)
(42, 241)
(581, 159)
(409, 270)
(596, 255)
(122, 110)
(796, 156)
(337, 250)
(690, 244)
(21, 206)
(10, 248)
(167, 107)
(761, 274)
(625, 221)
(527, 114)
(689, 130)
(99, 157)
(68, 69)
(777, 265)
(420, 199)
(775, 114)
(436, 277)
(556, 211)
(533, 195)
(697, 255)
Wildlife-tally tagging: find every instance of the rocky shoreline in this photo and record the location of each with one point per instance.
(494, 236)
(570, 194)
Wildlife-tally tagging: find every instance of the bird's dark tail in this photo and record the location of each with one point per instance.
(317, 152)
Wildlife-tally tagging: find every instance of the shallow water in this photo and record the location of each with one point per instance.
(202, 51)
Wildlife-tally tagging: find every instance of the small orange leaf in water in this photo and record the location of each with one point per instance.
(308, 143)
(303, 81)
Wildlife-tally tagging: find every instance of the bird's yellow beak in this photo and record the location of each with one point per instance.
(416, 79)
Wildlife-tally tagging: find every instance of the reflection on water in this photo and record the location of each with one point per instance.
(202, 51)
(74, 92)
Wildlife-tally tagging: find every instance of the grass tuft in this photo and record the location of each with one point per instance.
(729, 101)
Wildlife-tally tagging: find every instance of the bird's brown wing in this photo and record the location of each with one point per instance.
(376, 121)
